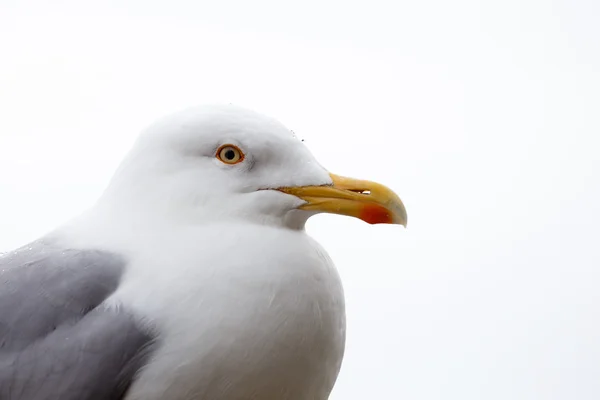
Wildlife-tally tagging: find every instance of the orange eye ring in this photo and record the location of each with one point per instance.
(230, 154)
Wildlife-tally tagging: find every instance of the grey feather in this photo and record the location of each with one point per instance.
(57, 341)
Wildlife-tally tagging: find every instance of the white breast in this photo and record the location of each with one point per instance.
(243, 312)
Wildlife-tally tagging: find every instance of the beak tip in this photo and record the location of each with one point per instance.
(401, 215)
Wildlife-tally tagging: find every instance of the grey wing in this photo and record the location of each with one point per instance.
(57, 341)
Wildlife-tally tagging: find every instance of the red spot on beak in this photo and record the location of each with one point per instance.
(375, 214)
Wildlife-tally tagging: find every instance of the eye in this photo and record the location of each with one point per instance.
(230, 154)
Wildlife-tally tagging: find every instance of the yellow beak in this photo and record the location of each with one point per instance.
(369, 201)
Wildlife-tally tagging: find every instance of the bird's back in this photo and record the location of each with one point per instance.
(57, 341)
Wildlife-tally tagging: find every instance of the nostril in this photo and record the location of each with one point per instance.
(360, 191)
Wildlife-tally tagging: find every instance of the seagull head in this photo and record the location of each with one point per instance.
(213, 163)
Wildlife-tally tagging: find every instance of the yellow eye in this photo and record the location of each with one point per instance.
(230, 154)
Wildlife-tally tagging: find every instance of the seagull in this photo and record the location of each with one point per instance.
(192, 276)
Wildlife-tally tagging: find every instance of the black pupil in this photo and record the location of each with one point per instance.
(230, 154)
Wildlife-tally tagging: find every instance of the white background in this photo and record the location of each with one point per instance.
(483, 116)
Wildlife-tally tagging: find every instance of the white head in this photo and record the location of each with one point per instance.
(221, 162)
